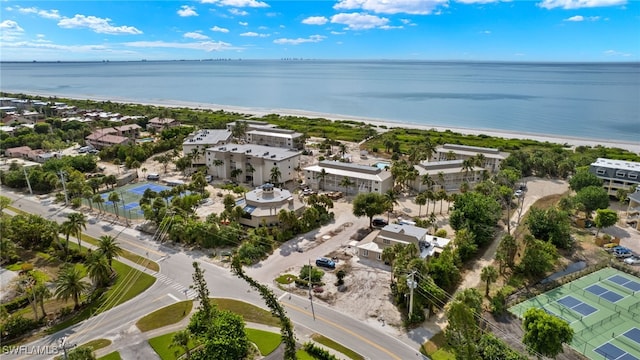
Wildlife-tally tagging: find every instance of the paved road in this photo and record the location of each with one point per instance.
(118, 324)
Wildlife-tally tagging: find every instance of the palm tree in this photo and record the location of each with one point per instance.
(421, 199)
(117, 163)
(98, 200)
(275, 175)
(427, 180)
(41, 292)
(114, 198)
(70, 285)
(217, 163)
(392, 200)
(109, 247)
(144, 172)
(347, 183)
(467, 166)
(98, 268)
(67, 229)
(78, 222)
(442, 196)
(135, 164)
(489, 275)
(441, 179)
(322, 175)
(389, 256)
(87, 194)
(181, 339)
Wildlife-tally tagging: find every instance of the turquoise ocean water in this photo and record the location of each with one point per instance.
(591, 100)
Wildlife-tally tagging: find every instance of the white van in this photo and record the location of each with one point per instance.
(406, 222)
(154, 177)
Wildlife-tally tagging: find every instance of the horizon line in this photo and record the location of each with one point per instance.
(301, 59)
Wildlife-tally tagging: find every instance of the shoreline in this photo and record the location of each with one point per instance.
(551, 138)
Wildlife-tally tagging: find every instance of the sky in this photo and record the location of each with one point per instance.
(471, 30)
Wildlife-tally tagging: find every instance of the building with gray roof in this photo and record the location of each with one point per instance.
(616, 174)
(492, 158)
(202, 140)
(327, 176)
(263, 204)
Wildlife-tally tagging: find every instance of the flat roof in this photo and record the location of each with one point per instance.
(491, 153)
(274, 134)
(258, 151)
(452, 167)
(617, 164)
(414, 231)
(354, 172)
(208, 137)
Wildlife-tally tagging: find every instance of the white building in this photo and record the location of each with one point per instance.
(262, 205)
(365, 178)
(202, 140)
(616, 174)
(492, 157)
(448, 175)
(373, 245)
(252, 164)
(262, 133)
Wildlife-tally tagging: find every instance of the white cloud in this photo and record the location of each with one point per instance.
(186, 10)
(51, 46)
(418, 7)
(98, 25)
(338, 33)
(359, 21)
(219, 29)
(237, 3)
(616, 53)
(480, 1)
(195, 35)
(262, 27)
(237, 12)
(254, 34)
(10, 30)
(203, 45)
(391, 27)
(298, 41)
(578, 4)
(315, 20)
(579, 18)
(243, 23)
(47, 14)
(487, 32)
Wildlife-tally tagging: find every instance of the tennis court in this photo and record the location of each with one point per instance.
(130, 195)
(603, 308)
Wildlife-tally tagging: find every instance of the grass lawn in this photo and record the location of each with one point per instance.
(266, 341)
(434, 348)
(286, 279)
(97, 344)
(250, 313)
(166, 316)
(151, 265)
(111, 356)
(303, 355)
(121, 291)
(335, 346)
(161, 346)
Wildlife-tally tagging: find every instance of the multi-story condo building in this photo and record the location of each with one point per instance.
(633, 210)
(328, 175)
(491, 158)
(616, 174)
(262, 133)
(159, 124)
(252, 164)
(262, 205)
(448, 175)
(202, 140)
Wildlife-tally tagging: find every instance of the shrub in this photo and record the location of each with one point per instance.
(16, 304)
(16, 326)
(442, 233)
(318, 352)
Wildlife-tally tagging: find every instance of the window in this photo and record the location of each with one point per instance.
(633, 175)
(379, 256)
(386, 241)
(365, 253)
(620, 173)
(601, 171)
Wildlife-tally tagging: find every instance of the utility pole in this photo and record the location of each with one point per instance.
(412, 285)
(64, 188)
(24, 170)
(313, 313)
(65, 347)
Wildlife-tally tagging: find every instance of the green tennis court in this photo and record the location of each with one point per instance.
(603, 308)
(129, 199)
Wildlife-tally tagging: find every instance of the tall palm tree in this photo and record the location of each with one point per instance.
(467, 167)
(275, 175)
(114, 198)
(78, 223)
(98, 268)
(135, 164)
(109, 247)
(428, 181)
(347, 183)
(321, 176)
(218, 163)
(391, 198)
(67, 229)
(442, 196)
(489, 275)
(421, 199)
(181, 339)
(70, 285)
(98, 200)
(144, 172)
(441, 179)
(87, 194)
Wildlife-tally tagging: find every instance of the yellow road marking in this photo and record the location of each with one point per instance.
(345, 330)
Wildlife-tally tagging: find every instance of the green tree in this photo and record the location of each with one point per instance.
(463, 331)
(489, 275)
(114, 198)
(181, 340)
(109, 247)
(582, 179)
(544, 333)
(506, 251)
(275, 175)
(77, 223)
(4, 203)
(550, 224)
(310, 272)
(369, 205)
(592, 198)
(321, 177)
(477, 212)
(70, 285)
(605, 218)
(81, 353)
(421, 199)
(347, 183)
(539, 257)
(98, 268)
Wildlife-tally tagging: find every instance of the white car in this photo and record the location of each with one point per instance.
(634, 260)
(518, 193)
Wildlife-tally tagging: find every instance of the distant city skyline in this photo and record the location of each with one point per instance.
(471, 30)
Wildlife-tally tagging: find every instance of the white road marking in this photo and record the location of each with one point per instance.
(173, 297)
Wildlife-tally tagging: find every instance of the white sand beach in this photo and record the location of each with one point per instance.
(558, 139)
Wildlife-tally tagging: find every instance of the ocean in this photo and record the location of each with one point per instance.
(588, 100)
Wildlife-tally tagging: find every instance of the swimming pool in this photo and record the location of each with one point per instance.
(382, 165)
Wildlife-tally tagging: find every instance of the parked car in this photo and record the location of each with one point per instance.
(622, 253)
(154, 177)
(326, 262)
(633, 260)
(379, 222)
(518, 193)
(610, 246)
(615, 248)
